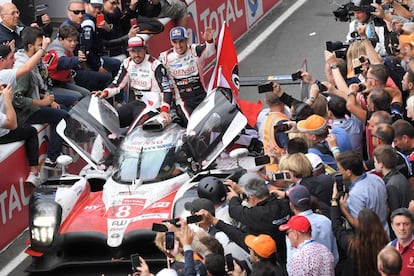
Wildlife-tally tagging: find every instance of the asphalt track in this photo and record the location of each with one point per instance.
(278, 45)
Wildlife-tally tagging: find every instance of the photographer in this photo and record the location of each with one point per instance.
(363, 15)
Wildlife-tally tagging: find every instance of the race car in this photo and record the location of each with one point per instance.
(106, 213)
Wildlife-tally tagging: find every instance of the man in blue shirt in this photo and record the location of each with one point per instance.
(365, 191)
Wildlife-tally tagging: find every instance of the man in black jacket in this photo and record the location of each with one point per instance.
(264, 215)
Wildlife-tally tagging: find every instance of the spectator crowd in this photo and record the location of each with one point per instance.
(337, 197)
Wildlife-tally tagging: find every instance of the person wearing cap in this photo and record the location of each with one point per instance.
(89, 79)
(184, 63)
(362, 13)
(263, 251)
(92, 44)
(316, 132)
(149, 87)
(402, 222)
(311, 257)
(300, 204)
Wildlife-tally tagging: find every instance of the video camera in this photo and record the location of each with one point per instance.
(344, 12)
(338, 47)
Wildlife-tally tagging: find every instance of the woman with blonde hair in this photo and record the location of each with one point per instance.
(410, 107)
(355, 51)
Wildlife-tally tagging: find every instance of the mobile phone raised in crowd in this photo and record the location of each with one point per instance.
(262, 160)
(321, 86)
(169, 240)
(229, 262)
(194, 219)
(135, 262)
(133, 22)
(157, 227)
(339, 182)
(99, 19)
(297, 76)
(280, 176)
(281, 128)
(264, 88)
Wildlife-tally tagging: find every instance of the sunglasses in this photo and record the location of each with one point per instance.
(77, 12)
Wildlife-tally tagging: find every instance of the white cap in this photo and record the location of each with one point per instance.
(167, 272)
(315, 160)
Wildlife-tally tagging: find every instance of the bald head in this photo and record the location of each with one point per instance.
(10, 15)
(389, 261)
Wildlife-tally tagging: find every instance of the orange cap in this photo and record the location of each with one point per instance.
(263, 245)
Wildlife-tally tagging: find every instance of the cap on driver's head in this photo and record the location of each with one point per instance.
(95, 3)
(178, 33)
(136, 42)
(200, 203)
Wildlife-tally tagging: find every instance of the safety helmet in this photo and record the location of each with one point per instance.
(212, 188)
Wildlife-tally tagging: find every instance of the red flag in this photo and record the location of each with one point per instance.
(226, 74)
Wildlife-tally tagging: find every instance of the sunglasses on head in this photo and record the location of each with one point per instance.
(78, 11)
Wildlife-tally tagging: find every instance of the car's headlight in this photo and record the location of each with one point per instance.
(45, 217)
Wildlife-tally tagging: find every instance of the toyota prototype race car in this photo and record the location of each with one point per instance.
(106, 212)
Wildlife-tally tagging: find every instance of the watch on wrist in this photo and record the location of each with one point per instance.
(333, 66)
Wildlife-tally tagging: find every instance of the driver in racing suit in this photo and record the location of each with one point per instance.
(148, 83)
(184, 64)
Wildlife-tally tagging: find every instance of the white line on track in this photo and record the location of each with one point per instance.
(243, 54)
(269, 30)
(13, 264)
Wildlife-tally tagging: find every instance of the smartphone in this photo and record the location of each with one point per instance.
(99, 19)
(321, 86)
(262, 160)
(339, 182)
(229, 262)
(157, 227)
(358, 70)
(133, 22)
(281, 128)
(82, 49)
(135, 262)
(263, 88)
(280, 176)
(297, 76)
(194, 219)
(173, 221)
(169, 240)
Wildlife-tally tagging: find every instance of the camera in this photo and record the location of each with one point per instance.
(344, 12)
(340, 183)
(338, 47)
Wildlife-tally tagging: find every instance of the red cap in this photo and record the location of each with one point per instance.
(136, 42)
(298, 223)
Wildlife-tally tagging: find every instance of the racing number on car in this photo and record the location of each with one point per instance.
(123, 211)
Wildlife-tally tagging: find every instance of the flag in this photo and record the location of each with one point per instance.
(226, 74)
